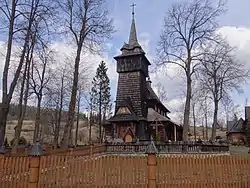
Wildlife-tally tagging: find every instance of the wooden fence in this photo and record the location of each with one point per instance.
(127, 171)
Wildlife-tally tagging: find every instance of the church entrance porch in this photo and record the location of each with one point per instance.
(158, 132)
(173, 132)
(165, 132)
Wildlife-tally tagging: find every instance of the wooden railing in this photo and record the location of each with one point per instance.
(173, 147)
(80, 150)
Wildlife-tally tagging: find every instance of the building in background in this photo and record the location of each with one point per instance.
(239, 129)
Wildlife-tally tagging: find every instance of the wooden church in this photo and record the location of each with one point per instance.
(139, 114)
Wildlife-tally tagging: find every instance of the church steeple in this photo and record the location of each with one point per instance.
(133, 35)
(133, 45)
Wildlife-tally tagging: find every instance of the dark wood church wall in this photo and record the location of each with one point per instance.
(108, 130)
(170, 132)
(144, 94)
(132, 64)
(129, 86)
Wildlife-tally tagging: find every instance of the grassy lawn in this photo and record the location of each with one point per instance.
(239, 150)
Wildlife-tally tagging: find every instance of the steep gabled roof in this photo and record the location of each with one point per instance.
(235, 126)
(155, 116)
(152, 95)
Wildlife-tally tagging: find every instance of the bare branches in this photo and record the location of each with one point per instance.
(88, 24)
(161, 92)
(187, 28)
(86, 21)
(220, 74)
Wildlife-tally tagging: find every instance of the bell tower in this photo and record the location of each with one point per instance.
(131, 96)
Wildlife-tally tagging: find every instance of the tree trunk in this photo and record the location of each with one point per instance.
(206, 125)
(18, 127)
(38, 118)
(100, 118)
(203, 129)
(72, 105)
(215, 119)
(25, 97)
(194, 122)
(4, 110)
(187, 108)
(78, 116)
(103, 120)
(56, 135)
(4, 113)
(90, 124)
(58, 120)
(6, 99)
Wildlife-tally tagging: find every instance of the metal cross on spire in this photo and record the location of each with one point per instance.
(133, 9)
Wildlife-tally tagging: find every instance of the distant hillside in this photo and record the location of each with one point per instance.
(28, 129)
(47, 127)
(31, 113)
(199, 132)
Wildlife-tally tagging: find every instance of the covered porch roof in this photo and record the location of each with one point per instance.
(154, 116)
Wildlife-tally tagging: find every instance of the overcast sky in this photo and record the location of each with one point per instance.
(235, 25)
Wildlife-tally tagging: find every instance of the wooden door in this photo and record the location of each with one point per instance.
(128, 138)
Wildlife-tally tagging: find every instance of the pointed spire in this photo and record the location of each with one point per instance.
(133, 36)
(133, 45)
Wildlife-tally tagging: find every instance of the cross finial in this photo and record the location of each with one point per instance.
(133, 9)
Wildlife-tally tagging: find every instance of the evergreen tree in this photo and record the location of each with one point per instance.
(100, 94)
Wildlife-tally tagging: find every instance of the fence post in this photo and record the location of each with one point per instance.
(91, 149)
(34, 165)
(71, 151)
(152, 164)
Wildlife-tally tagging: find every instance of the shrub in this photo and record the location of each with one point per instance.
(22, 141)
(157, 138)
(234, 143)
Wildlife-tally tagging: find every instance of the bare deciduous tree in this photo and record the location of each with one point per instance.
(88, 24)
(220, 74)
(161, 92)
(24, 94)
(187, 27)
(40, 77)
(57, 98)
(21, 17)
